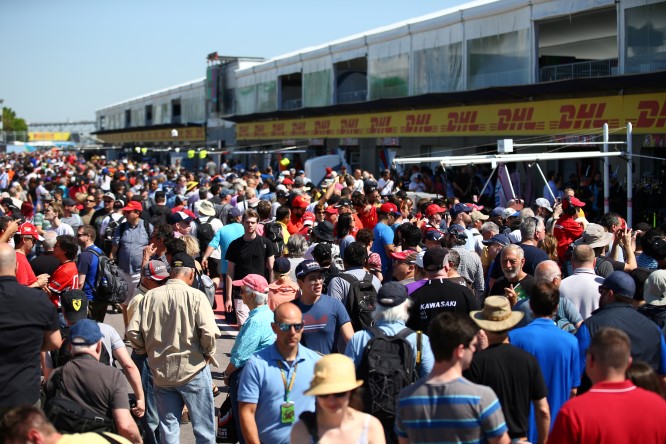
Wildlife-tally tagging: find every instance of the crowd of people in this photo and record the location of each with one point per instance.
(367, 311)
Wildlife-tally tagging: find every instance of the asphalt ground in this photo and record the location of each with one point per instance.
(222, 354)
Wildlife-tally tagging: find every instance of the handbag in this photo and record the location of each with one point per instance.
(226, 426)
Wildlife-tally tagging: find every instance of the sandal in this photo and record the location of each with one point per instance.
(216, 391)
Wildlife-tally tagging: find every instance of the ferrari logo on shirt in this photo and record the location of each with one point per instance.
(76, 303)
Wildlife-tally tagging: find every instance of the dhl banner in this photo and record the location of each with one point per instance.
(647, 113)
(48, 136)
(192, 134)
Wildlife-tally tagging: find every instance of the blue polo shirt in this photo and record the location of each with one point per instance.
(383, 237)
(261, 384)
(87, 264)
(557, 354)
(223, 238)
(322, 320)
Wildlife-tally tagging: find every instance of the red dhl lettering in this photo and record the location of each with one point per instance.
(243, 131)
(418, 123)
(650, 115)
(462, 121)
(587, 115)
(298, 128)
(259, 130)
(278, 129)
(515, 119)
(349, 126)
(322, 127)
(380, 125)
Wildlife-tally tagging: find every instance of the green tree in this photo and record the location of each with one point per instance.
(11, 122)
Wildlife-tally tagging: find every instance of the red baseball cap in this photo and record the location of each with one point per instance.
(574, 202)
(287, 181)
(388, 207)
(254, 281)
(434, 209)
(331, 210)
(299, 202)
(28, 229)
(405, 255)
(308, 218)
(133, 206)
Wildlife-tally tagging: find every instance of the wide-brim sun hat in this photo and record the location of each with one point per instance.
(334, 373)
(496, 315)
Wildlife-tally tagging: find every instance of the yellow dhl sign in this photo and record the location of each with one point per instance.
(48, 136)
(647, 113)
(193, 134)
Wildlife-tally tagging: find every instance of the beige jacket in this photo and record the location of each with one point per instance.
(175, 326)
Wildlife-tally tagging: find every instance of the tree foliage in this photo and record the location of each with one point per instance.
(11, 122)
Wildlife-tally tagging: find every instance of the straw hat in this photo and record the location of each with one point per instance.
(334, 373)
(496, 314)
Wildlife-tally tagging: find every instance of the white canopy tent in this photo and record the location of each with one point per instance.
(506, 146)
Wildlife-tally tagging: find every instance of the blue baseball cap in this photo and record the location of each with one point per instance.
(306, 267)
(500, 239)
(85, 332)
(621, 283)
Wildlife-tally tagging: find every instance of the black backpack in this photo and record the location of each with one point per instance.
(110, 230)
(361, 299)
(68, 416)
(386, 368)
(205, 233)
(273, 232)
(110, 284)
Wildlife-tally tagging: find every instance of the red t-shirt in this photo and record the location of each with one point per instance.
(613, 412)
(66, 277)
(370, 219)
(566, 231)
(24, 274)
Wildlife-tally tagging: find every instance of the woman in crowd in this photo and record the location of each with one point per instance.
(335, 421)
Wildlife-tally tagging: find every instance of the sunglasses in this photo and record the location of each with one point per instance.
(284, 327)
(337, 395)
(90, 201)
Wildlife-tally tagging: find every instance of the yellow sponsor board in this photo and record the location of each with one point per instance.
(191, 134)
(34, 136)
(647, 112)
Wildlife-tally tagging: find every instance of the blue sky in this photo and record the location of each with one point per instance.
(61, 60)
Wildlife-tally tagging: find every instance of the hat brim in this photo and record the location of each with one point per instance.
(330, 388)
(506, 324)
(606, 240)
(207, 212)
(238, 283)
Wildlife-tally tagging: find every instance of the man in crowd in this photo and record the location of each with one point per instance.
(24, 240)
(616, 310)
(326, 319)
(515, 284)
(90, 383)
(582, 288)
(66, 276)
(467, 412)
(438, 294)
(555, 350)
(512, 373)
(23, 337)
(631, 414)
(273, 381)
(175, 326)
(87, 265)
(248, 254)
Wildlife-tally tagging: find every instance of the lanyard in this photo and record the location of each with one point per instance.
(287, 388)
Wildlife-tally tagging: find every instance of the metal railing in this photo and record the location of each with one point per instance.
(13, 136)
(360, 95)
(292, 104)
(645, 63)
(594, 68)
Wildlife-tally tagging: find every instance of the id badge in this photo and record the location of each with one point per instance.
(287, 413)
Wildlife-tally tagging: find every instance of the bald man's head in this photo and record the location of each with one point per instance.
(7, 260)
(548, 272)
(287, 310)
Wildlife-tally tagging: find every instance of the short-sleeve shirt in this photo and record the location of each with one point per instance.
(66, 277)
(131, 244)
(322, 320)
(383, 236)
(223, 238)
(261, 384)
(25, 315)
(87, 264)
(249, 257)
(516, 378)
(557, 353)
(435, 297)
(24, 273)
(453, 411)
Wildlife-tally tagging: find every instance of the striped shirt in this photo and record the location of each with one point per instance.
(457, 411)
